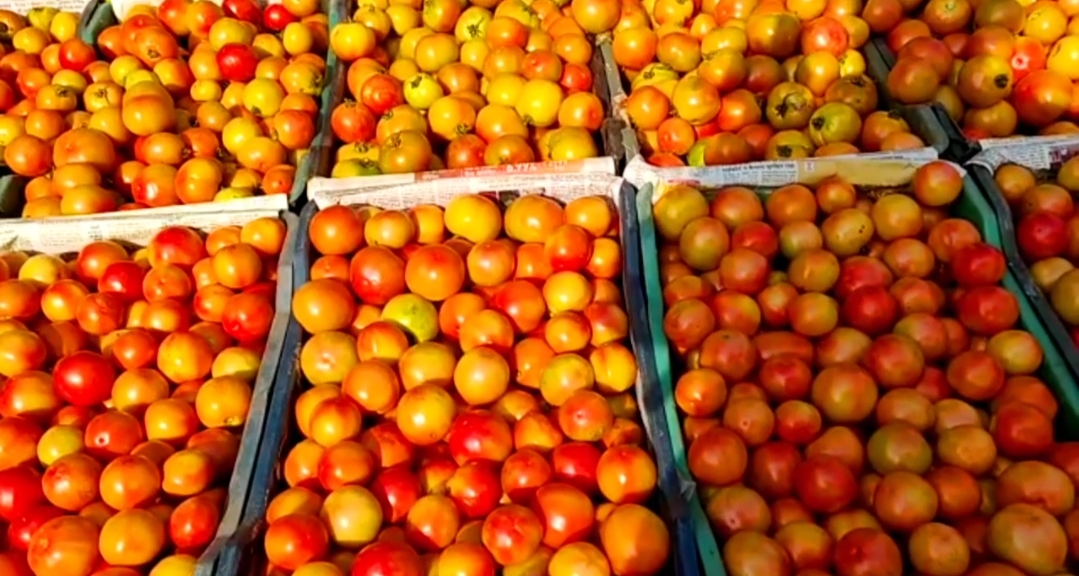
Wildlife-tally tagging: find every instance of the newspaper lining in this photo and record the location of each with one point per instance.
(23, 6)
(563, 187)
(556, 175)
(66, 234)
(1039, 153)
(884, 169)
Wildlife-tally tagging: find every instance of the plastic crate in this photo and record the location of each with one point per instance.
(68, 234)
(955, 146)
(98, 16)
(923, 120)
(610, 137)
(1065, 373)
(973, 206)
(289, 384)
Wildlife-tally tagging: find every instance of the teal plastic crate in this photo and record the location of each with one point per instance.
(1066, 374)
(948, 138)
(973, 206)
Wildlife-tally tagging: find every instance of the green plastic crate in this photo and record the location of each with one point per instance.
(973, 206)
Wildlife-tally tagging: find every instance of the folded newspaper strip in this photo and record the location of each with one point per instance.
(399, 197)
(70, 233)
(23, 6)
(885, 169)
(1040, 153)
(319, 189)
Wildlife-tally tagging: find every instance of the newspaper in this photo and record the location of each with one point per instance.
(563, 186)
(1039, 153)
(66, 234)
(24, 6)
(860, 170)
(319, 189)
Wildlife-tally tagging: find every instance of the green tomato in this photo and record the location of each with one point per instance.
(421, 91)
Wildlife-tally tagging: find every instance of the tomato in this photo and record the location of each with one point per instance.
(154, 44)
(696, 100)
(634, 48)
(405, 152)
(381, 92)
(825, 34)
(1029, 56)
(76, 55)
(353, 122)
(245, 10)
(173, 14)
(576, 78)
(465, 151)
(28, 156)
(237, 62)
(450, 117)
(20, 491)
(647, 107)
(676, 136)
(275, 17)
(84, 378)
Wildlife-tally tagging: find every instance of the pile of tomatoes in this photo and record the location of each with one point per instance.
(125, 383)
(1047, 232)
(734, 81)
(186, 103)
(459, 85)
(857, 397)
(468, 405)
(999, 67)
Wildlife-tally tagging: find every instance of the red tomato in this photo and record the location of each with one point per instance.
(237, 62)
(382, 92)
(245, 10)
(353, 122)
(76, 55)
(84, 378)
(276, 17)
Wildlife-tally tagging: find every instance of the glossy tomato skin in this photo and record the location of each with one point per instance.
(22, 528)
(84, 378)
(388, 559)
(576, 78)
(276, 17)
(20, 491)
(1028, 56)
(353, 122)
(237, 62)
(245, 10)
(381, 92)
(76, 55)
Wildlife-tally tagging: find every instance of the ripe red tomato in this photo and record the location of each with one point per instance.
(276, 17)
(576, 78)
(237, 62)
(1029, 55)
(76, 55)
(245, 10)
(20, 490)
(381, 92)
(84, 378)
(353, 122)
(22, 528)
